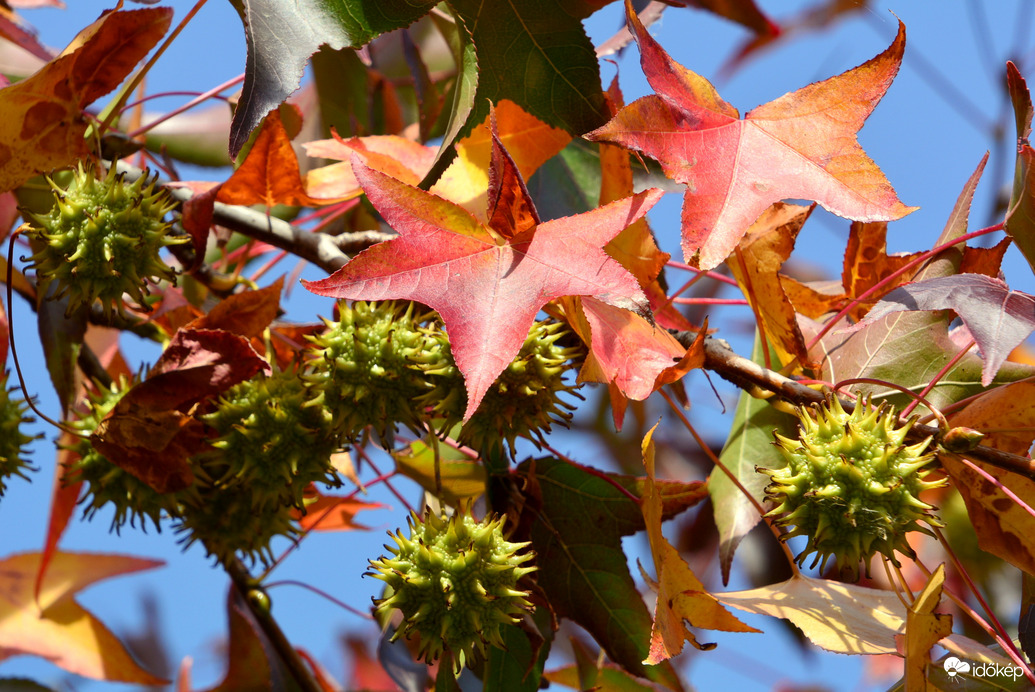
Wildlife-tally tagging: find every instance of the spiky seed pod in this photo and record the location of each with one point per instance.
(525, 400)
(271, 444)
(228, 522)
(370, 366)
(455, 582)
(851, 485)
(101, 240)
(107, 483)
(12, 439)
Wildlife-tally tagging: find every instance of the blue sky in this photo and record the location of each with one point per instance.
(926, 143)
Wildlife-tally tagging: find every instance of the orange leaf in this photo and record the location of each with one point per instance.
(401, 158)
(627, 350)
(247, 313)
(764, 249)
(799, 146)
(269, 174)
(530, 142)
(1004, 527)
(681, 595)
(56, 627)
(335, 513)
(867, 262)
(41, 122)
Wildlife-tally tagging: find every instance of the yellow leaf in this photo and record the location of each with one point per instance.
(924, 629)
(845, 618)
(530, 142)
(461, 477)
(56, 627)
(842, 618)
(681, 595)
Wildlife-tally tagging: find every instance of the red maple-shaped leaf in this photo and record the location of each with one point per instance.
(801, 146)
(487, 277)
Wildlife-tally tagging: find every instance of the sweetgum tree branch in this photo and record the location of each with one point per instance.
(296, 667)
(757, 381)
(331, 253)
(325, 251)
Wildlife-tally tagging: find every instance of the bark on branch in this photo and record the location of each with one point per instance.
(748, 375)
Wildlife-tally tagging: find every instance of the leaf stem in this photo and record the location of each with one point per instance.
(971, 585)
(323, 594)
(934, 382)
(198, 98)
(894, 275)
(736, 481)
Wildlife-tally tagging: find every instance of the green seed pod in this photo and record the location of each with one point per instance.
(370, 366)
(101, 240)
(524, 401)
(107, 483)
(455, 582)
(851, 485)
(229, 522)
(271, 443)
(12, 439)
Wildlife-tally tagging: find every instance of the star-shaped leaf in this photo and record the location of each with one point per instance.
(799, 146)
(42, 126)
(487, 277)
(54, 625)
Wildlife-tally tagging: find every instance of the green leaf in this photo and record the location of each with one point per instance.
(750, 444)
(341, 84)
(610, 678)
(540, 43)
(282, 35)
(909, 349)
(62, 340)
(511, 669)
(461, 478)
(576, 532)
(568, 183)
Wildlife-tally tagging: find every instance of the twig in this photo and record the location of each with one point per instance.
(319, 248)
(750, 376)
(244, 582)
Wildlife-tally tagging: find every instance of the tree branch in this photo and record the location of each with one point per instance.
(296, 667)
(750, 376)
(325, 251)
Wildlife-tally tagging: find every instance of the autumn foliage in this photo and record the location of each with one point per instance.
(488, 275)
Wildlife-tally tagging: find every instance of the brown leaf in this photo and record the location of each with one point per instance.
(1004, 527)
(154, 446)
(247, 313)
(269, 174)
(41, 122)
(867, 262)
(149, 433)
(765, 247)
